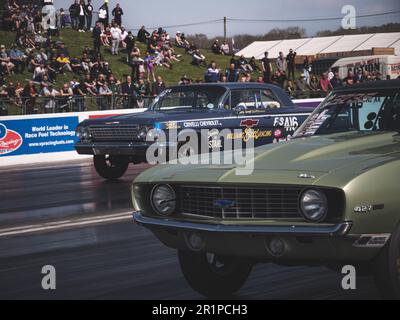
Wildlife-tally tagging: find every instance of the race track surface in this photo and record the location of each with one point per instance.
(66, 216)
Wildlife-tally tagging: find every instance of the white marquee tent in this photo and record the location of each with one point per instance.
(314, 46)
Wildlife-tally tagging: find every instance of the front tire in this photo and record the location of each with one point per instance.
(387, 268)
(214, 276)
(110, 167)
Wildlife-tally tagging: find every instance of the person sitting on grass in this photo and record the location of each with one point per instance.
(5, 60)
(65, 63)
(17, 58)
(198, 59)
(216, 48)
(105, 37)
(39, 73)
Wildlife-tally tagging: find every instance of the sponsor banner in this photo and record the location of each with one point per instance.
(23, 138)
(47, 135)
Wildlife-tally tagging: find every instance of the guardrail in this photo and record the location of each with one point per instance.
(45, 105)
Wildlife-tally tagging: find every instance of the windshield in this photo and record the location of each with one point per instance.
(361, 111)
(188, 98)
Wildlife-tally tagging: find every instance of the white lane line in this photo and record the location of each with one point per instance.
(52, 226)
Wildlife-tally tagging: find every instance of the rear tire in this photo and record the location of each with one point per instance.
(110, 167)
(387, 268)
(214, 276)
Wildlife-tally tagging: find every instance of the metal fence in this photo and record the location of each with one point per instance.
(41, 105)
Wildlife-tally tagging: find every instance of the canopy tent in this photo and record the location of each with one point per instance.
(324, 45)
(316, 45)
(347, 43)
(258, 48)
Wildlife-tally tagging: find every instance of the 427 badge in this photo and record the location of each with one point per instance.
(10, 141)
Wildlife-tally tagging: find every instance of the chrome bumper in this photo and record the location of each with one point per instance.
(338, 230)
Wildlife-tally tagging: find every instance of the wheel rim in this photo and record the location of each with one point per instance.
(110, 162)
(218, 264)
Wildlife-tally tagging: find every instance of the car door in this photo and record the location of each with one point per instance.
(252, 117)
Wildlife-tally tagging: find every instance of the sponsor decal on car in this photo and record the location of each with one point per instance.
(202, 123)
(249, 123)
(173, 125)
(289, 123)
(249, 134)
(10, 141)
(278, 133)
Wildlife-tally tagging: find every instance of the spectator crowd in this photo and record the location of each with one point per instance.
(282, 73)
(45, 57)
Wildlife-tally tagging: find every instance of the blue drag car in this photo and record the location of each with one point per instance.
(259, 112)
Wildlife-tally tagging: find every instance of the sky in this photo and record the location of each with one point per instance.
(175, 12)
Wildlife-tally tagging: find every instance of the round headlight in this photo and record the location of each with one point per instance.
(79, 132)
(163, 199)
(314, 205)
(142, 133)
(85, 134)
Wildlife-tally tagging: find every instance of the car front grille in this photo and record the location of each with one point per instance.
(114, 133)
(240, 203)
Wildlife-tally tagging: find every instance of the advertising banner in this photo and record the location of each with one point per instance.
(35, 136)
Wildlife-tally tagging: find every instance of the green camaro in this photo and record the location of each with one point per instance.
(329, 197)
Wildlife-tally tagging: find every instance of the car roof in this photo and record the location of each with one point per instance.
(242, 85)
(374, 85)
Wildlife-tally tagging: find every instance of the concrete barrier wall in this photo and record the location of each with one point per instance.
(51, 137)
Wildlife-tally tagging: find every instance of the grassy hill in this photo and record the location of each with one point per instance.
(75, 42)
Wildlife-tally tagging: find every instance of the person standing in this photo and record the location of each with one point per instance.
(336, 82)
(267, 68)
(159, 86)
(232, 74)
(115, 39)
(213, 73)
(291, 63)
(130, 44)
(324, 83)
(281, 63)
(89, 15)
(307, 68)
(73, 13)
(81, 16)
(97, 37)
(128, 90)
(118, 13)
(104, 14)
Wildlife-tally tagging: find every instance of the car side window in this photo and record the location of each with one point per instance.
(174, 99)
(203, 101)
(245, 100)
(268, 100)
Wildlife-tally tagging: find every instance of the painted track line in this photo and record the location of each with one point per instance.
(67, 224)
